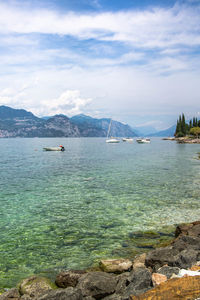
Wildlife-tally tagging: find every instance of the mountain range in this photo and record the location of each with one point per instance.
(21, 123)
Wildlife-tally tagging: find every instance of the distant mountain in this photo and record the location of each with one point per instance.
(20, 123)
(144, 130)
(89, 126)
(165, 133)
(11, 113)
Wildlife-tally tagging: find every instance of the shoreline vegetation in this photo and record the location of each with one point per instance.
(169, 272)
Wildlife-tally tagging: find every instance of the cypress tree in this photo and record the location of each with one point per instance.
(183, 127)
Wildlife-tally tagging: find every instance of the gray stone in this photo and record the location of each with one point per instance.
(168, 271)
(62, 294)
(139, 282)
(97, 284)
(68, 278)
(162, 256)
(186, 242)
(122, 282)
(186, 259)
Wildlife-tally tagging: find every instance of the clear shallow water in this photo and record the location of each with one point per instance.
(70, 209)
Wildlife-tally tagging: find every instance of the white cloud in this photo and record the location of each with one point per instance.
(69, 103)
(159, 27)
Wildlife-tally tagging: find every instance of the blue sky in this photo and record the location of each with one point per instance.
(136, 61)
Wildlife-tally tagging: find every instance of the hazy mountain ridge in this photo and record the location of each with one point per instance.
(20, 123)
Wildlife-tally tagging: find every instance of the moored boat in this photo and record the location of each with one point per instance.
(60, 148)
(111, 140)
(127, 139)
(143, 141)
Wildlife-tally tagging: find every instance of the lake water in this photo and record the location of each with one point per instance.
(62, 210)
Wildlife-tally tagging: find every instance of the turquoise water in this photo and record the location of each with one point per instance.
(70, 209)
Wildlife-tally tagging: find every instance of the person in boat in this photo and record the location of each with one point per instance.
(62, 148)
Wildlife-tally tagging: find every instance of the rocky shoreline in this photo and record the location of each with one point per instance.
(171, 272)
(183, 140)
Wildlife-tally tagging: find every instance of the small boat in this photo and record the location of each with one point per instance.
(127, 139)
(111, 140)
(143, 141)
(60, 148)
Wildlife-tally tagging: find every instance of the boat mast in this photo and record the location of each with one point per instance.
(109, 128)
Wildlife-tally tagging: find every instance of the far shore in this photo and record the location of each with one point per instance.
(183, 140)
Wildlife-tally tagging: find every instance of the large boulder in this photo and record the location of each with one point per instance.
(186, 242)
(178, 288)
(139, 281)
(68, 278)
(97, 284)
(115, 265)
(161, 256)
(188, 229)
(62, 294)
(186, 259)
(35, 286)
(10, 294)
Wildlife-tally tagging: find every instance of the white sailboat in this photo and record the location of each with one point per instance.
(111, 139)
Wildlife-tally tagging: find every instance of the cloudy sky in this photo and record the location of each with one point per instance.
(137, 61)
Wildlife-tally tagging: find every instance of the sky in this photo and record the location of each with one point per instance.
(136, 61)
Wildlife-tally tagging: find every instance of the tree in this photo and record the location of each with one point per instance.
(190, 124)
(195, 131)
(183, 127)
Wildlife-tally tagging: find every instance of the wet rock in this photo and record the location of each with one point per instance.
(186, 242)
(188, 229)
(62, 294)
(162, 256)
(182, 229)
(186, 259)
(158, 278)
(115, 265)
(168, 271)
(139, 282)
(34, 286)
(194, 231)
(139, 261)
(178, 288)
(10, 294)
(68, 278)
(97, 284)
